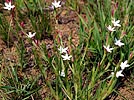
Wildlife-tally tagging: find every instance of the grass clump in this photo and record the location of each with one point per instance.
(47, 66)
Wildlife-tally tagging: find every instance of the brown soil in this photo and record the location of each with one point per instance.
(125, 92)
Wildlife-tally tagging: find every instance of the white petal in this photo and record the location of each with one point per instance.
(111, 49)
(104, 46)
(6, 4)
(12, 6)
(125, 62)
(118, 21)
(59, 2)
(9, 3)
(5, 7)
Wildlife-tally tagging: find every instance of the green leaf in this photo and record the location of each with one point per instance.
(97, 37)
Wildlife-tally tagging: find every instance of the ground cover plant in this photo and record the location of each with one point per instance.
(66, 50)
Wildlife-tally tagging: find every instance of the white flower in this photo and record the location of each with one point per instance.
(123, 65)
(116, 23)
(110, 28)
(118, 43)
(66, 57)
(56, 4)
(63, 50)
(119, 73)
(8, 6)
(108, 49)
(30, 34)
(62, 73)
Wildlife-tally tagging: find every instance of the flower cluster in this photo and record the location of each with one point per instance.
(123, 65)
(112, 29)
(65, 56)
(64, 50)
(118, 43)
(115, 24)
(55, 4)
